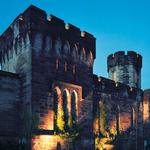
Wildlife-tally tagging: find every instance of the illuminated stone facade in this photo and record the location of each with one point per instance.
(48, 91)
(122, 113)
(54, 62)
(146, 106)
(146, 116)
(119, 100)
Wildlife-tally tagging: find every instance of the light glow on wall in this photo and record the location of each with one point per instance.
(47, 142)
(145, 111)
(113, 125)
(47, 121)
(125, 120)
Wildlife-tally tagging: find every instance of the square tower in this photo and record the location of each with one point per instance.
(55, 65)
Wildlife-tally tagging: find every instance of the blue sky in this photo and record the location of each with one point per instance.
(116, 24)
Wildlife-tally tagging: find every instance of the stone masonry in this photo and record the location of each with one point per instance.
(48, 54)
(48, 89)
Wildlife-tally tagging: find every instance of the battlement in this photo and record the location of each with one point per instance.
(53, 20)
(30, 11)
(34, 19)
(106, 85)
(121, 58)
(147, 91)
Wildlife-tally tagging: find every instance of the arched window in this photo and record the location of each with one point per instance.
(97, 119)
(75, 52)
(103, 117)
(57, 64)
(65, 67)
(66, 107)
(74, 108)
(118, 127)
(48, 45)
(133, 117)
(58, 110)
(58, 45)
(37, 43)
(74, 69)
(90, 59)
(83, 55)
(66, 48)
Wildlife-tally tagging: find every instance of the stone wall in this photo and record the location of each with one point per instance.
(43, 49)
(10, 125)
(62, 54)
(49, 142)
(146, 106)
(146, 115)
(43, 53)
(16, 57)
(123, 108)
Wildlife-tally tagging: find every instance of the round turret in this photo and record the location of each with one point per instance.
(125, 68)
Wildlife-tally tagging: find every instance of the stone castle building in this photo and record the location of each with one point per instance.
(49, 97)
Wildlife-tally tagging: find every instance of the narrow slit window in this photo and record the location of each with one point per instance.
(57, 64)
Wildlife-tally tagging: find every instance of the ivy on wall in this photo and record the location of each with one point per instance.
(65, 110)
(73, 110)
(59, 113)
(103, 119)
(64, 121)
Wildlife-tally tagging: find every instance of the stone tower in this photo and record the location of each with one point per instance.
(125, 68)
(54, 61)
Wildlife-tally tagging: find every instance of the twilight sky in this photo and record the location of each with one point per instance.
(116, 24)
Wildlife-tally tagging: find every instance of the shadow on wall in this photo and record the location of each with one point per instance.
(58, 146)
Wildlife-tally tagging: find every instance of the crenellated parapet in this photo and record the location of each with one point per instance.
(54, 28)
(117, 89)
(121, 104)
(65, 31)
(65, 40)
(52, 33)
(15, 38)
(120, 58)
